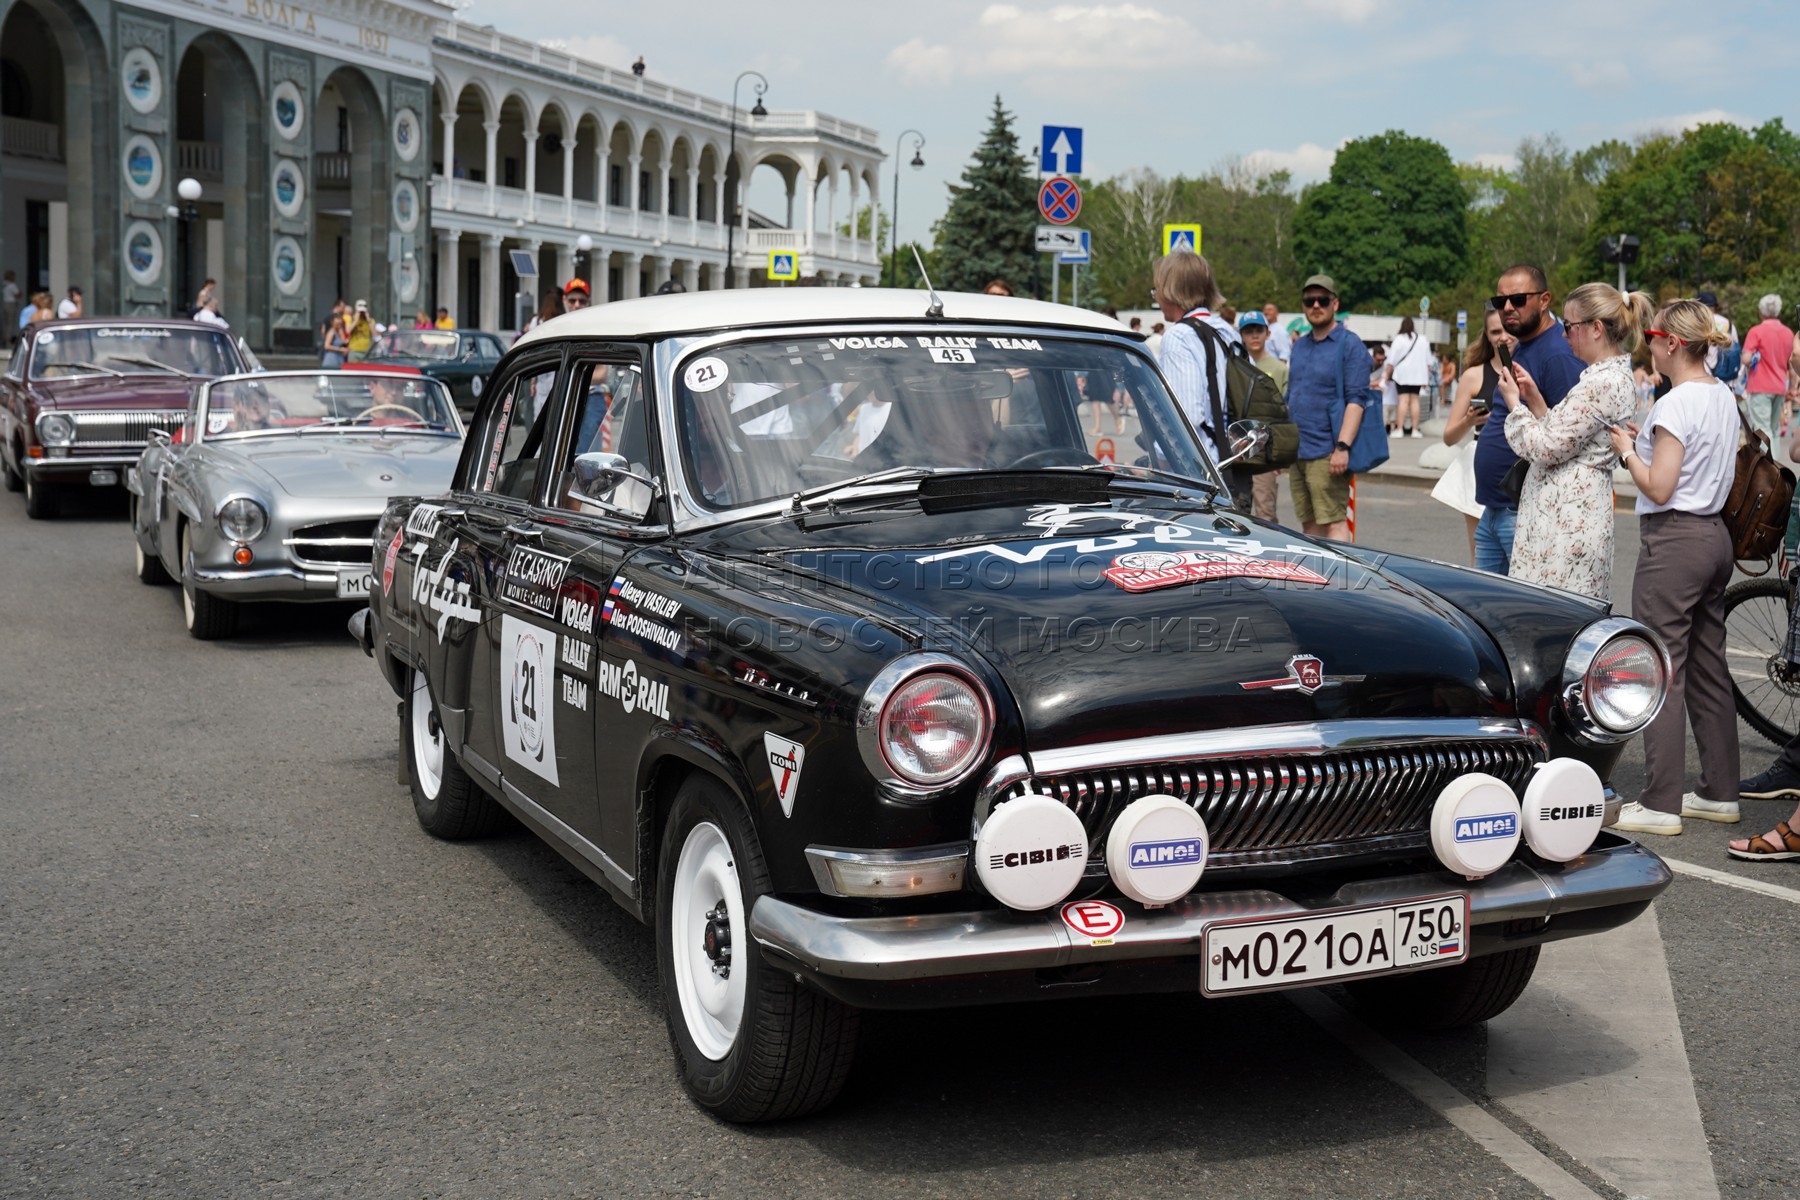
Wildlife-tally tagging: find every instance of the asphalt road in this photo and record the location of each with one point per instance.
(232, 965)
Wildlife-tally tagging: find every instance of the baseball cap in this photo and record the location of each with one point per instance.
(575, 285)
(1252, 318)
(1708, 299)
(1324, 281)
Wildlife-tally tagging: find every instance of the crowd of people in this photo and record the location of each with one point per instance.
(1548, 401)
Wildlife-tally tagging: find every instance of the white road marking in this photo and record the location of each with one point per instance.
(1597, 1032)
(1791, 895)
(1487, 1131)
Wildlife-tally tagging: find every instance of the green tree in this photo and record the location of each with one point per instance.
(988, 232)
(1545, 213)
(1125, 217)
(1389, 225)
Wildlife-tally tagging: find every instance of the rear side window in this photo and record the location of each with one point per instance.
(520, 429)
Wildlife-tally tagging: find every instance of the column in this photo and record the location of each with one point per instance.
(634, 264)
(490, 274)
(690, 275)
(663, 196)
(449, 120)
(632, 199)
(531, 138)
(854, 238)
(812, 216)
(600, 269)
(447, 240)
(720, 212)
(493, 165)
(601, 158)
(693, 205)
(831, 234)
(569, 182)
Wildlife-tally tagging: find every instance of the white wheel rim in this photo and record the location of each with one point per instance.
(428, 743)
(712, 1007)
(187, 584)
(138, 554)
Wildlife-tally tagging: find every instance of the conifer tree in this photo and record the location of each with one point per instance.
(989, 230)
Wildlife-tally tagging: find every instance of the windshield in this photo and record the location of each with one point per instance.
(328, 400)
(763, 420)
(132, 350)
(417, 343)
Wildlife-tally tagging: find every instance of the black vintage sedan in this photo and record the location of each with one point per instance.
(462, 359)
(813, 627)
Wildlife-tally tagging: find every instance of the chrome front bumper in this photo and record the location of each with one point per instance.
(75, 468)
(1604, 888)
(271, 583)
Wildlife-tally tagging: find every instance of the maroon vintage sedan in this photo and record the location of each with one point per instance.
(79, 398)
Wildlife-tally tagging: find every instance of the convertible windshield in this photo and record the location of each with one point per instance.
(327, 400)
(764, 420)
(132, 350)
(417, 343)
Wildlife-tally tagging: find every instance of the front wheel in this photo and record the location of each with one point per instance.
(14, 482)
(751, 1043)
(206, 616)
(1764, 683)
(148, 566)
(448, 803)
(40, 498)
(1448, 997)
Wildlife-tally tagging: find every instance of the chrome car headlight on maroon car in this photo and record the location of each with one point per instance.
(242, 519)
(924, 722)
(55, 430)
(1615, 679)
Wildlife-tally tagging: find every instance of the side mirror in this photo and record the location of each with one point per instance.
(598, 474)
(1245, 438)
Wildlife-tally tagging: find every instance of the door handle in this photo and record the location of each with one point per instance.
(525, 531)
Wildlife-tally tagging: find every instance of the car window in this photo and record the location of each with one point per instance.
(488, 349)
(16, 368)
(519, 433)
(128, 349)
(611, 417)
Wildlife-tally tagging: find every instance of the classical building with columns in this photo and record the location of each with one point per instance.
(381, 150)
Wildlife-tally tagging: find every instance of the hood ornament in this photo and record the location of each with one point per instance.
(1305, 673)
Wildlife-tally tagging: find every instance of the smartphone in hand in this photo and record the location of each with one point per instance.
(1505, 355)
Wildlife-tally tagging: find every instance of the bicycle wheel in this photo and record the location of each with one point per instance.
(1765, 685)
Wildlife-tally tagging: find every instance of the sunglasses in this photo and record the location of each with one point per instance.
(1570, 325)
(1316, 300)
(1516, 299)
(576, 302)
(1663, 333)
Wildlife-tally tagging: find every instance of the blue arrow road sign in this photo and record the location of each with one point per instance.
(1060, 151)
(1077, 256)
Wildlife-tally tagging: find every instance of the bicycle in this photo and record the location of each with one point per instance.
(1764, 684)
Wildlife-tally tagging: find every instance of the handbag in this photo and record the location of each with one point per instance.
(1513, 482)
(1756, 511)
(1370, 449)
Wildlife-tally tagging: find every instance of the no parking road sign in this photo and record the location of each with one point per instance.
(784, 264)
(1059, 200)
(1181, 237)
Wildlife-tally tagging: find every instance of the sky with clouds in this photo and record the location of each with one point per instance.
(1180, 86)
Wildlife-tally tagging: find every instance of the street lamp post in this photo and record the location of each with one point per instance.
(583, 244)
(187, 212)
(894, 216)
(762, 85)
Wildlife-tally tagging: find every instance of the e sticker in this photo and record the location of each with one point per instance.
(704, 374)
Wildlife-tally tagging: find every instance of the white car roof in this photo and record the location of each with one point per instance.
(739, 308)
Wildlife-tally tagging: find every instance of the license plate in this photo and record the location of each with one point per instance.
(355, 583)
(103, 478)
(1264, 954)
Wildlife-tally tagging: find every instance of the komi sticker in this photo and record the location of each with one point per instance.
(785, 760)
(703, 375)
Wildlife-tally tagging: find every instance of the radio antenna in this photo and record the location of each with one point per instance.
(936, 311)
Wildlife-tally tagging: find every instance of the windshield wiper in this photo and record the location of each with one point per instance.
(1180, 482)
(90, 366)
(799, 507)
(135, 361)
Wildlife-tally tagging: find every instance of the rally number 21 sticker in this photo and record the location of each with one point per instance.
(703, 375)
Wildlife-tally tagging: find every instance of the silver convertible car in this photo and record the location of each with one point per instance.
(271, 487)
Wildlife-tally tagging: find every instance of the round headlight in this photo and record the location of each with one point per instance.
(242, 520)
(1625, 684)
(55, 429)
(933, 729)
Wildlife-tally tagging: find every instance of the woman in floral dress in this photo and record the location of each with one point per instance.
(1565, 531)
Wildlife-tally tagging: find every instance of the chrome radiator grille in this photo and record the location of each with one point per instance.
(337, 544)
(1277, 808)
(121, 430)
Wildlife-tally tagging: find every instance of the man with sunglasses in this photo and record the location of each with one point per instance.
(1327, 362)
(1526, 311)
(575, 295)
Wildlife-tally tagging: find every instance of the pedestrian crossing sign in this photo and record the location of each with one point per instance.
(1181, 237)
(784, 264)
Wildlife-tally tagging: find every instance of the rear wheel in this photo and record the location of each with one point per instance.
(1765, 685)
(751, 1043)
(40, 498)
(446, 800)
(11, 477)
(206, 616)
(1448, 997)
(148, 566)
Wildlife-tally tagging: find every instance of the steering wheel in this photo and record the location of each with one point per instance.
(369, 412)
(1055, 456)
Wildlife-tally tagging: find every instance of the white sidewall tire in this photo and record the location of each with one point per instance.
(712, 1007)
(427, 743)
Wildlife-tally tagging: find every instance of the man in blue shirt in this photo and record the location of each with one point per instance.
(1325, 363)
(1525, 306)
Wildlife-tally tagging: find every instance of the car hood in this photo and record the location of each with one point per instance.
(341, 465)
(105, 392)
(1094, 646)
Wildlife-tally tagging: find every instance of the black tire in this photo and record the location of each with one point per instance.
(207, 617)
(148, 566)
(1448, 997)
(12, 479)
(40, 499)
(448, 803)
(791, 1049)
(1765, 686)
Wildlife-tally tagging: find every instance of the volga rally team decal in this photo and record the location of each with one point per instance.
(1147, 570)
(527, 667)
